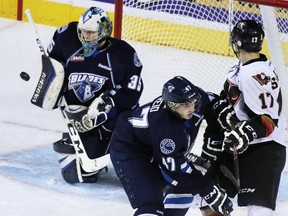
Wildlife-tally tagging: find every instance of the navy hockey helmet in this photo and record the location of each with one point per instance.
(247, 35)
(93, 28)
(179, 90)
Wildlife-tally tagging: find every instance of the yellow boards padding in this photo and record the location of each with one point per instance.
(52, 13)
(44, 12)
(8, 9)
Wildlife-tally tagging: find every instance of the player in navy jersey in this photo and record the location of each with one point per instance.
(151, 150)
(250, 110)
(94, 63)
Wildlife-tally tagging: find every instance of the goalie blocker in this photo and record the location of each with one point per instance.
(49, 87)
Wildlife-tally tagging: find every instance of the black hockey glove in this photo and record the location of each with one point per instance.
(218, 200)
(211, 148)
(225, 113)
(240, 137)
(201, 164)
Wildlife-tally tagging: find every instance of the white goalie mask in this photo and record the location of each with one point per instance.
(93, 28)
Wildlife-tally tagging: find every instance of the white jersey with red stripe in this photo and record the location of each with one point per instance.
(254, 88)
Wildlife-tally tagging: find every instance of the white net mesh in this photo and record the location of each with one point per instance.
(188, 38)
(282, 21)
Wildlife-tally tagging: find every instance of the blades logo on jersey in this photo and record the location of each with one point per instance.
(167, 146)
(262, 79)
(84, 85)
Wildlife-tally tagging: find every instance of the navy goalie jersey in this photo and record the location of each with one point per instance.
(87, 77)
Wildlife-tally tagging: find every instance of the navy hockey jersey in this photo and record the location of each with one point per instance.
(87, 77)
(162, 136)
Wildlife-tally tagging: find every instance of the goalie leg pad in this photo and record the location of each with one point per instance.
(69, 172)
(49, 87)
(70, 167)
(62, 147)
(67, 161)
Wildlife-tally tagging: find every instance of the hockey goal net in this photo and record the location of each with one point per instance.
(191, 38)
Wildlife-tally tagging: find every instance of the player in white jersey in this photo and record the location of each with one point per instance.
(251, 113)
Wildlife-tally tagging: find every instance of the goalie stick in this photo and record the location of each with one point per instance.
(88, 165)
(31, 21)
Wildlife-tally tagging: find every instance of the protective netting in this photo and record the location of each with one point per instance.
(189, 38)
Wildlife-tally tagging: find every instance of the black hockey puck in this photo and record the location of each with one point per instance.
(25, 76)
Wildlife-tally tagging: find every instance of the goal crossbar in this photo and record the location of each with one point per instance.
(275, 3)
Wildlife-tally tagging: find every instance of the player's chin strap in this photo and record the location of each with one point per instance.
(87, 164)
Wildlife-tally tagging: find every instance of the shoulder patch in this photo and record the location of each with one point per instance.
(62, 28)
(167, 146)
(137, 61)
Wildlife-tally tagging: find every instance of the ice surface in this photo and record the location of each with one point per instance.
(31, 184)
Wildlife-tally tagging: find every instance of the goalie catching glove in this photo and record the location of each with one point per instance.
(85, 119)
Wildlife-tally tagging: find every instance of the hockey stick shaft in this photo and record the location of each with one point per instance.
(228, 174)
(236, 165)
(235, 157)
(31, 21)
